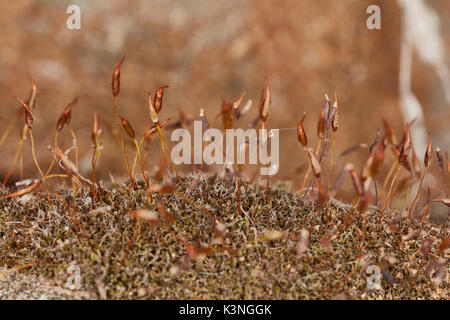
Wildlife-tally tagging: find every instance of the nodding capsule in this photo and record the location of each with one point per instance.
(128, 128)
(152, 110)
(265, 103)
(334, 114)
(32, 98)
(66, 116)
(356, 180)
(301, 134)
(321, 125)
(97, 128)
(158, 98)
(61, 122)
(237, 104)
(315, 165)
(115, 83)
(428, 153)
(28, 115)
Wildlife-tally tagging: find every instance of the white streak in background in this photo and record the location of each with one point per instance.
(420, 32)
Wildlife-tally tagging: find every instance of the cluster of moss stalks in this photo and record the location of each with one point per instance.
(257, 254)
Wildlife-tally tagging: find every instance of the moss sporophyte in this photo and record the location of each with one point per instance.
(226, 234)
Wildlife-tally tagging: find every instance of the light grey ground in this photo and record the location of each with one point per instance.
(20, 286)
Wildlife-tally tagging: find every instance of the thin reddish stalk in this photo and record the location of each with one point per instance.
(122, 139)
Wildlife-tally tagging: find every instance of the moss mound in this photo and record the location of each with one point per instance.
(258, 253)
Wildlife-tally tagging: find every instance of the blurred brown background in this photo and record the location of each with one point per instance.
(208, 51)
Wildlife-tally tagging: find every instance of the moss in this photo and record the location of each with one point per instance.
(244, 265)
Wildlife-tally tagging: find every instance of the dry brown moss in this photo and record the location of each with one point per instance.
(32, 229)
